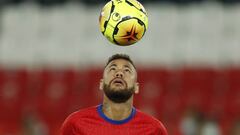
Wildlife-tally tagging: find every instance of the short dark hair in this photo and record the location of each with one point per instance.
(120, 56)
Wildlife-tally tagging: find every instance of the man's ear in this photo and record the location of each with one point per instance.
(136, 91)
(101, 84)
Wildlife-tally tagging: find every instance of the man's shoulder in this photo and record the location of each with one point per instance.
(85, 112)
(76, 119)
(154, 123)
(148, 119)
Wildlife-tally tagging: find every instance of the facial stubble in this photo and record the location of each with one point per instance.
(118, 96)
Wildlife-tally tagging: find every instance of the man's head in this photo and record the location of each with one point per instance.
(119, 81)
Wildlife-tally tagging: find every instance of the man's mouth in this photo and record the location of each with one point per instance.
(118, 81)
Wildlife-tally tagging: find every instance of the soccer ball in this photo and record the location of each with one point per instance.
(123, 22)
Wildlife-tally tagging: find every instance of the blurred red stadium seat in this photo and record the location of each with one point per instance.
(233, 95)
(13, 85)
(153, 84)
(197, 85)
(52, 93)
(80, 92)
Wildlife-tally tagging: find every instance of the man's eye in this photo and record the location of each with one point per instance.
(112, 69)
(127, 70)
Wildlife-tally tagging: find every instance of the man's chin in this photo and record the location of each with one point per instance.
(118, 94)
(118, 88)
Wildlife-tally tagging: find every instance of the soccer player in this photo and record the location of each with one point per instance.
(116, 115)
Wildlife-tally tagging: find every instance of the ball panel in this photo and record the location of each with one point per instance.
(129, 32)
(137, 5)
(105, 16)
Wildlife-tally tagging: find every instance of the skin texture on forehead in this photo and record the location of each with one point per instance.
(126, 63)
(121, 62)
(121, 65)
(120, 56)
(113, 61)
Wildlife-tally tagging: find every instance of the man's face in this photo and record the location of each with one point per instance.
(119, 80)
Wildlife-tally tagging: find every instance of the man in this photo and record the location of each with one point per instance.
(116, 116)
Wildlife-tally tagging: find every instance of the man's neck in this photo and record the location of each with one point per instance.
(117, 111)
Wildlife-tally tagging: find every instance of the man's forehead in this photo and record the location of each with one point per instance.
(123, 62)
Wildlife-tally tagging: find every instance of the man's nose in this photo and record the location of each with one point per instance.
(119, 74)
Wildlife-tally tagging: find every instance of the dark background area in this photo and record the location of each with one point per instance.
(94, 2)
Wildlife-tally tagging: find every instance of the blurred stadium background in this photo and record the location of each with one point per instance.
(52, 56)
